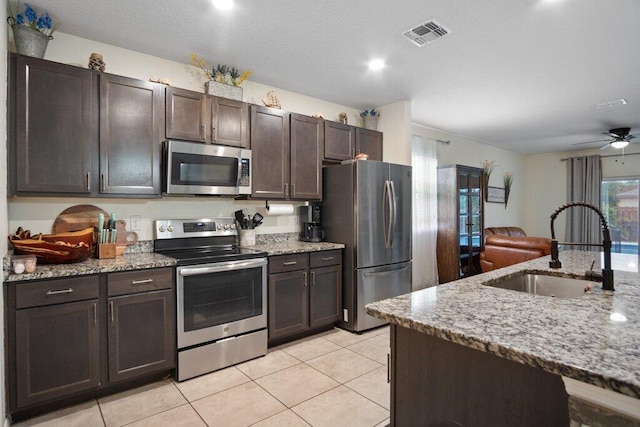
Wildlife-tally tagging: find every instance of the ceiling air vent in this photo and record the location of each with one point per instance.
(425, 33)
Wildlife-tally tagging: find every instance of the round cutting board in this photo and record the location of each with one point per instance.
(79, 217)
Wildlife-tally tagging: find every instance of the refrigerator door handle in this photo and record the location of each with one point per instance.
(385, 273)
(394, 213)
(386, 210)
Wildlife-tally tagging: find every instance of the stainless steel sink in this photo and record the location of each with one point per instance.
(540, 284)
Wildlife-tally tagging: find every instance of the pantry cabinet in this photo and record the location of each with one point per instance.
(304, 293)
(85, 335)
(198, 117)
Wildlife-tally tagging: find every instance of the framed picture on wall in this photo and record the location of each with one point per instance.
(495, 195)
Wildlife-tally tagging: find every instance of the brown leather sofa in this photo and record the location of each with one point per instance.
(506, 246)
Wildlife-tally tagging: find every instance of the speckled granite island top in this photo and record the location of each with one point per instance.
(294, 247)
(594, 338)
(94, 266)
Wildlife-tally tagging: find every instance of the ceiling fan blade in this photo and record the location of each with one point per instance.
(591, 142)
(605, 146)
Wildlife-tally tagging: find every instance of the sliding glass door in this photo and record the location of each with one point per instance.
(621, 207)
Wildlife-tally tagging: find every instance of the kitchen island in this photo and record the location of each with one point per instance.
(468, 353)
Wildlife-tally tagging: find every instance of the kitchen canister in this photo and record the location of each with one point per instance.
(247, 237)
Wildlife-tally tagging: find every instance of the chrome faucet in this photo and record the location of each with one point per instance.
(607, 273)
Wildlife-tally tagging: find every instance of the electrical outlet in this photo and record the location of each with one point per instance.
(134, 222)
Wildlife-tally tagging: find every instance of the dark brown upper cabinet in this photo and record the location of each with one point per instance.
(307, 139)
(199, 117)
(369, 142)
(344, 142)
(131, 118)
(185, 111)
(74, 131)
(269, 153)
(339, 141)
(51, 133)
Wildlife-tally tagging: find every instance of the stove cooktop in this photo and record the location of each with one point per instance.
(201, 241)
(211, 255)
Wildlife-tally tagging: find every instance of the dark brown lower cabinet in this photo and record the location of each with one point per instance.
(82, 336)
(288, 303)
(304, 293)
(140, 334)
(435, 382)
(326, 285)
(57, 351)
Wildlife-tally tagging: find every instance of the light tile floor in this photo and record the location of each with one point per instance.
(331, 379)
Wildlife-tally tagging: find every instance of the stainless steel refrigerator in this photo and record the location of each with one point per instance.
(367, 206)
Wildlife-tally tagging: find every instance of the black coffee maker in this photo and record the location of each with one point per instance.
(310, 218)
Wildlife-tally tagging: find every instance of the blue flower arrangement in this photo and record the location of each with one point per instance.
(373, 112)
(30, 18)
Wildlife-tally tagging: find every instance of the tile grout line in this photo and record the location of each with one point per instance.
(188, 402)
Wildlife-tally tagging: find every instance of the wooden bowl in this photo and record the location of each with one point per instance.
(61, 248)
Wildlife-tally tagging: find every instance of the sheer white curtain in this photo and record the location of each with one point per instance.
(425, 212)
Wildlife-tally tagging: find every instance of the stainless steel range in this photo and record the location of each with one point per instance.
(221, 294)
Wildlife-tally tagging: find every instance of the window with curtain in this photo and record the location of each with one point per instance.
(425, 213)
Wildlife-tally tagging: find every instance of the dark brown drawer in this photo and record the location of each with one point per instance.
(56, 291)
(284, 263)
(324, 258)
(131, 282)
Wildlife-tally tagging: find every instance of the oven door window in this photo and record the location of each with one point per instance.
(194, 169)
(217, 298)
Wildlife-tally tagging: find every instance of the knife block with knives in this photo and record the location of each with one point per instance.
(106, 237)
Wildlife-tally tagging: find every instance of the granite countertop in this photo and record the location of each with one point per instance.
(94, 266)
(594, 338)
(294, 247)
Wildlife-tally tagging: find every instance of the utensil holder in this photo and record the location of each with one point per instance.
(247, 237)
(106, 250)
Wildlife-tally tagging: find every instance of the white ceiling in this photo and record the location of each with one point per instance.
(524, 75)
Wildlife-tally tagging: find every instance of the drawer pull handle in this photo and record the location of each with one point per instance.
(313, 278)
(111, 310)
(305, 278)
(329, 258)
(290, 263)
(141, 282)
(62, 291)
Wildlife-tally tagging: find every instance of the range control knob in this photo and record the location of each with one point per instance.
(170, 228)
(233, 226)
(226, 226)
(162, 229)
(218, 227)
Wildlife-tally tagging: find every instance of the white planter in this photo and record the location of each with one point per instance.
(224, 90)
(370, 122)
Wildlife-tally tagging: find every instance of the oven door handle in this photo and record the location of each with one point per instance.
(224, 266)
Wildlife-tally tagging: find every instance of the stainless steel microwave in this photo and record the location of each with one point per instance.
(196, 168)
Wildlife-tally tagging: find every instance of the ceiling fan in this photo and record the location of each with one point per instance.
(621, 138)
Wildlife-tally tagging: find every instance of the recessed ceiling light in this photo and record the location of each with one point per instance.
(223, 4)
(376, 64)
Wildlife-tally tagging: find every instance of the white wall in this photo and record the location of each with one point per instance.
(38, 214)
(465, 151)
(3, 190)
(546, 186)
(395, 123)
